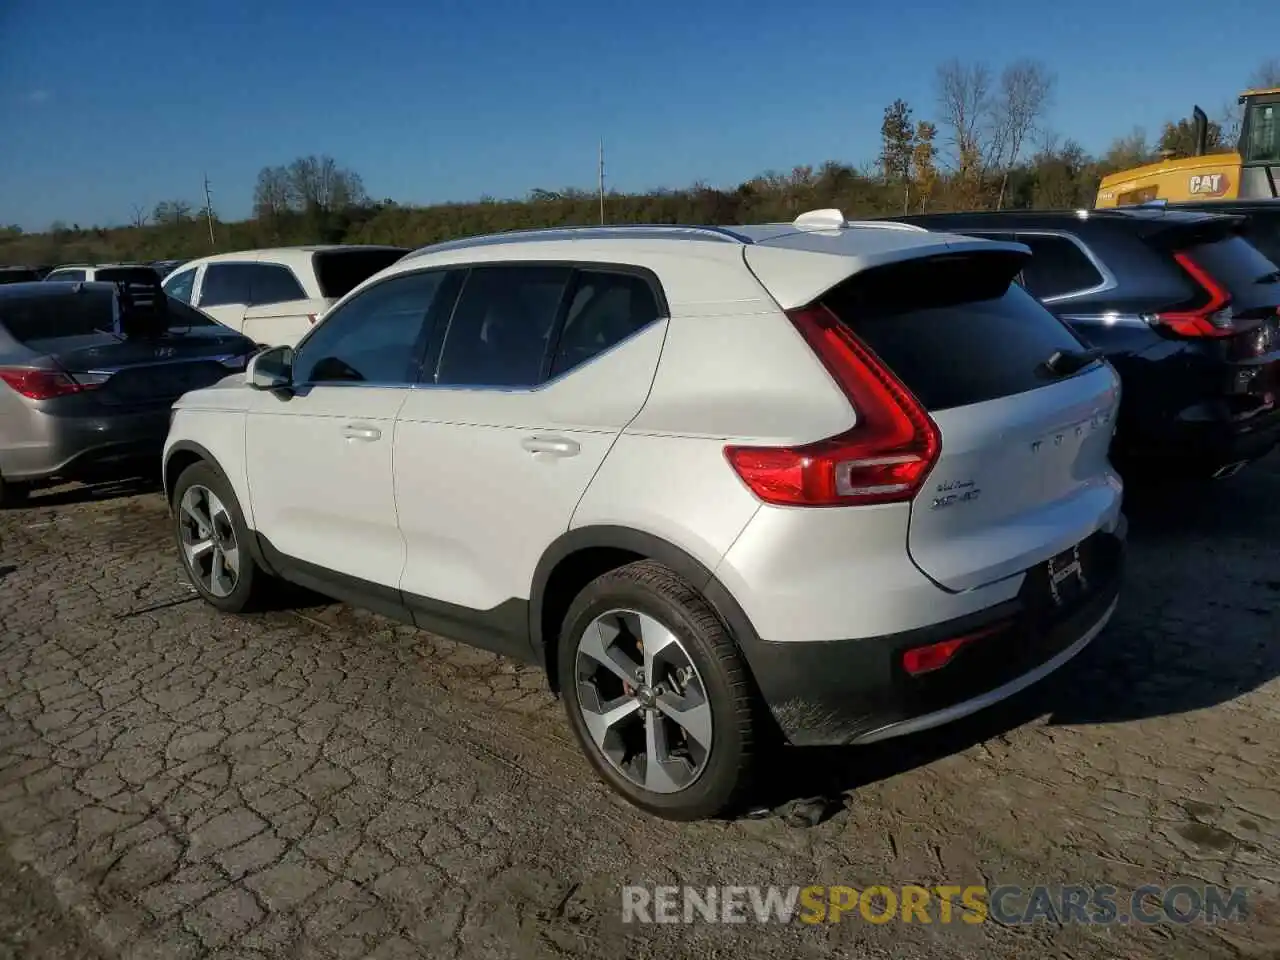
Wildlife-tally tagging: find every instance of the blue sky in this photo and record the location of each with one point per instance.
(112, 103)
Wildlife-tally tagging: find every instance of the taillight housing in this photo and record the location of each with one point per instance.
(885, 458)
(1213, 319)
(42, 384)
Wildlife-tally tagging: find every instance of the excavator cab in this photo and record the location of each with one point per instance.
(1260, 145)
(1252, 172)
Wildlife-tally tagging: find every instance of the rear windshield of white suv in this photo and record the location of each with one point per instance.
(341, 271)
(954, 329)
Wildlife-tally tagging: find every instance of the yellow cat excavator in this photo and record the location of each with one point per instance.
(1252, 172)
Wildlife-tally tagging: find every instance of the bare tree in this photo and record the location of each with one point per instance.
(1026, 88)
(964, 102)
(1266, 76)
(318, 183)
(171, 212)
(139, 216)
(271, 194)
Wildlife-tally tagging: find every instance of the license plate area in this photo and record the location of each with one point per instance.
(1066, 577)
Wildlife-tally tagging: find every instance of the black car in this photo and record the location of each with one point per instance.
(1261, 220)
(89, 371)
(1181, 304)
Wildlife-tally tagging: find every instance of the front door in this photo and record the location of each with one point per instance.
(320, 456)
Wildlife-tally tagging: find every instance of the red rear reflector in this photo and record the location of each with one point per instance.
(1214, 319)
(883, 459)
(935, 656)
(42, 384)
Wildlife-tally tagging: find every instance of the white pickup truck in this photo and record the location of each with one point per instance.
(275, 296)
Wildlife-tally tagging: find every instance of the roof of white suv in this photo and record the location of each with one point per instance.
(780, 254)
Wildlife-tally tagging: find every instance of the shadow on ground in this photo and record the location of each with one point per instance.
(70, 494)
(1190, 633)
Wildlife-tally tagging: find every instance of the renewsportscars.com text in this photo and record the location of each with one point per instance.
(1009, 905)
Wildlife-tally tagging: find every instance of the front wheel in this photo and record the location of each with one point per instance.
(213, 540)
(657, 693)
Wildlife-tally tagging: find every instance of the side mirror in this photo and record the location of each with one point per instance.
(271, 369)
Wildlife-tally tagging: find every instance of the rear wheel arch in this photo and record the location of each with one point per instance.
(577, 557)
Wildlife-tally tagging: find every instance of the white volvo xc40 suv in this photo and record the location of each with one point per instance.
(835, 481)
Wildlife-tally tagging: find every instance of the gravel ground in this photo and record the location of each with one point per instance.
(318, 782)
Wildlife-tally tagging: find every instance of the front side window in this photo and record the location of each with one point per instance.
(498, 336)
(225, 284)
(273, 283)
(179, 285)
(1263, 126)
(1058, 267)
(374, 337)
(66, 276)
(605, 309)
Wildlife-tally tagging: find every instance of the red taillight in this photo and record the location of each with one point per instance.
(935, 656)
(1214, 319)
(883, 459)
(42, 384)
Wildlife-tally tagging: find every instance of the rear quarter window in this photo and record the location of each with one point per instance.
(340, 271)
(954, 330)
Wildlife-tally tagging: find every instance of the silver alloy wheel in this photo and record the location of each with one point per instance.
(209, 541)
(643, 701)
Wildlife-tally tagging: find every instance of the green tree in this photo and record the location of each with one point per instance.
(1179, 139)
(897, 138)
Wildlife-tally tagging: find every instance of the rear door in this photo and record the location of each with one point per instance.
(541, 368)
(280, 309)
(1023, 472)
(225, 292)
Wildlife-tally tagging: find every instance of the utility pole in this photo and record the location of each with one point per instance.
(602, 181)
(208, 212)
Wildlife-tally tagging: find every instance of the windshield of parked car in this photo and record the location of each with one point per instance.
(341, 271)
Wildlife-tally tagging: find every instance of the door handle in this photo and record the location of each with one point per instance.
(556, 446)
(355, 432)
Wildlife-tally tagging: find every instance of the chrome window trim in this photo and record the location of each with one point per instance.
(1109, 281)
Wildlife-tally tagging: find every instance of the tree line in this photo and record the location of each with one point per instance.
(988, 144)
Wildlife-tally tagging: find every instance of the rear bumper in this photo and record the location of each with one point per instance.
(87, 447)
(855, 691)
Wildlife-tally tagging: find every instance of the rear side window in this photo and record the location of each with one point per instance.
(41, 318)
(498, 336)
(605, 309)
(226, 283)
(340, 271)
(1058, 267)
(66, 276)
(1240, 267)
(273, 283)
(953, 329)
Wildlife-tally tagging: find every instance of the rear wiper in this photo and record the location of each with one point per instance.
(1063, 363)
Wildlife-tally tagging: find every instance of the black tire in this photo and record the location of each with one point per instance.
(12, 494)
(652, 589)
(251, 583)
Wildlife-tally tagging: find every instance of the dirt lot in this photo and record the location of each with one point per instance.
(318, 782)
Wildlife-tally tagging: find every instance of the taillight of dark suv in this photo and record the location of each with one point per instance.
(1238, 291)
